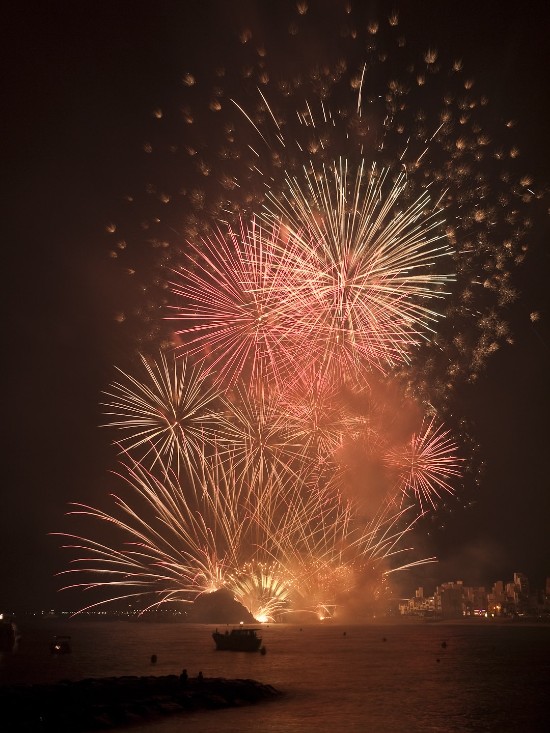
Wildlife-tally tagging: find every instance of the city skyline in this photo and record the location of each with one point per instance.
(503, 597)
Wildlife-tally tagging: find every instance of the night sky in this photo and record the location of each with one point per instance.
(81, 82)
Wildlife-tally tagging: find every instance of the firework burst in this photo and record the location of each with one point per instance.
(301, 276)
(174, 540)
(271, 544)
(263, 590)
(234, 310)
(416, 114)
(369, 262)
(426, 464)
(314, 414)
(170, 415)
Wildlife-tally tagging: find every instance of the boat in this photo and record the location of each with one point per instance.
(61, 645)
(241, 639)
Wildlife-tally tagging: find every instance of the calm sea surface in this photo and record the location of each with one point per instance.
(421, 677)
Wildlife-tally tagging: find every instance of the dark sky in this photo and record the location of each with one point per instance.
(81, 81)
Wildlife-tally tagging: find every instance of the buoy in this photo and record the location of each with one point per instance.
(263, 650)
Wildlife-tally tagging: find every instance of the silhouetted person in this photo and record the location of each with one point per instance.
(183, 677)
(200, 678)
(153, 658)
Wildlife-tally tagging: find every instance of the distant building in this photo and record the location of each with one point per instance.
(417, 606)
(476, 602)
(453, 600)
(496, 599)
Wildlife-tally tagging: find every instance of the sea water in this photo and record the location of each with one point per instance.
(377, 678)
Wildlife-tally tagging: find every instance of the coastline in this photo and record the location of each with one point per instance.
(450, 621)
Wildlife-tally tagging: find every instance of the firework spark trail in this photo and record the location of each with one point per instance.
(291, 514)
(250, 497)
(233, 308)
(349, 286)
(340, 551)
(204, 533)
(220, 532)
(427, 463)
(314, 414)
(197, 532)
(262, 589)
(411, 111)
(169, 415)
(370, 265)
(344, 279)
(316, 553)
(255, 429)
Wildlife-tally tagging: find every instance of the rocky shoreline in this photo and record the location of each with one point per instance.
(113, 702)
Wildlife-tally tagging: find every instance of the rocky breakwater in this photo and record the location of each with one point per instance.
(113, 702)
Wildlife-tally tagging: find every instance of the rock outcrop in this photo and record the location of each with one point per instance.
(218, 607)
(113, 702)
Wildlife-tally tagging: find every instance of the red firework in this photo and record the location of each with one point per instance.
(236, 312)
(426, 463)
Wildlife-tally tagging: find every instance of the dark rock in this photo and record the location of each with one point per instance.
(218, 607)
(104, 704)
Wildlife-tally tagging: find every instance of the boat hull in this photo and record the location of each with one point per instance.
(238, 640)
